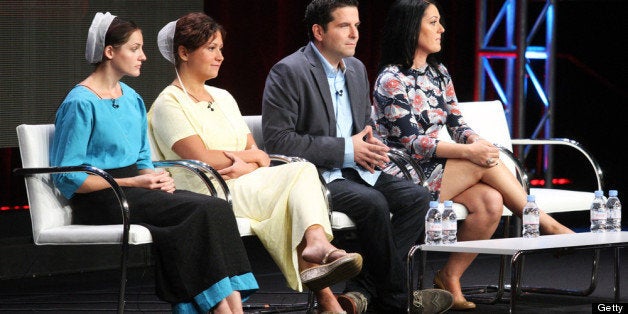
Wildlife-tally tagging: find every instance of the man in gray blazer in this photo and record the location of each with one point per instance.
(316, 105)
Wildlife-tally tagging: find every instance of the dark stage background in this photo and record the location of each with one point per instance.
(590, 67)
(591, 92)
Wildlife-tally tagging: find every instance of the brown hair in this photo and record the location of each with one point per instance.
(194, 30)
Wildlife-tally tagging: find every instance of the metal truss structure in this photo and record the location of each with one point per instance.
(515, 62)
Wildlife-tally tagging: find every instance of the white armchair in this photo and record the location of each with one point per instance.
(488, 119)
(51, 215)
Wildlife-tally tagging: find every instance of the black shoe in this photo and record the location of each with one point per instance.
(431, 301)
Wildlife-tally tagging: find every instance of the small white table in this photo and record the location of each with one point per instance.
(519, 247)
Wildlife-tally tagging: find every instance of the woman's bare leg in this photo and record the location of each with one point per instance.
(234, 300)
(485, 208)
(311, 252)
(501, 179)
(315, 245)
(222, 308)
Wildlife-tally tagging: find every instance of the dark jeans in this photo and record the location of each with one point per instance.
(385, 241)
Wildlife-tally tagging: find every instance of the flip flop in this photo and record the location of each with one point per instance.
(328, 274)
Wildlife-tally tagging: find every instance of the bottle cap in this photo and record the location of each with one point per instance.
(531, 198)
(612, 193)
(598, 193)
(449, 203)
(433, 203)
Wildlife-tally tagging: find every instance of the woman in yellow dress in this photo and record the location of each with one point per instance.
(192, 120)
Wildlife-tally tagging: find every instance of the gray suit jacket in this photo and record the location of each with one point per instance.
(297, 110)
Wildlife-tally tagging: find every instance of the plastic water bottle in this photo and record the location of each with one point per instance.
(598, 212)
(530, 218)
(433, 224)
(613, 212)
(450, 223)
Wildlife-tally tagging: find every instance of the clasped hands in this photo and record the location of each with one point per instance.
(369, 152)
(156, 180)
(240, 167)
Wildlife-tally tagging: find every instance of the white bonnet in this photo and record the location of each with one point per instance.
(96, 37)
(165, 41)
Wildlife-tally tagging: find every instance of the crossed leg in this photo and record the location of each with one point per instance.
(311, 252)
(483, 190)
(485, 208)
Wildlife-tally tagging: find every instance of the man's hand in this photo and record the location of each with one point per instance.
(369, 152)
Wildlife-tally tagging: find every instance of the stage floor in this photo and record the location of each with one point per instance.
(96, 291)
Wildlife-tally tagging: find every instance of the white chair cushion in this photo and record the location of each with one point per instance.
(340, 221)
(254, 123)
(51, 215)
(88, 234)
(244, 227)
(559, 201)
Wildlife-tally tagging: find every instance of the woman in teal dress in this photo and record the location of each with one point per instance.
(200, 261)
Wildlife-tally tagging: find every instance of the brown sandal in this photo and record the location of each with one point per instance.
(353, 302)
(328, 274)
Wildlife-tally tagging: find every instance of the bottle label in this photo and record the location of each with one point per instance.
(614, 214)
(598, 215)
(431, 226)
(450, 225)
(530, 220)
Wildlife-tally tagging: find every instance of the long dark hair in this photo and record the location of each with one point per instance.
(401, 34)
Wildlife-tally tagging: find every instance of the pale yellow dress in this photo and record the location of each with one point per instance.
(281, 201)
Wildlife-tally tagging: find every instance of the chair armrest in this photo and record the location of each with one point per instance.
(122, 201)
(285, 159)
(569, 143)
(201, 169)
(407, 165)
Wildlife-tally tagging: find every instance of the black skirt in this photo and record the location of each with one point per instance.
(196, 242)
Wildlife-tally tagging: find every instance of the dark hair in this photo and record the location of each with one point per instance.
(119, 32)
(319, 12)
(194, 30)
(401, 34)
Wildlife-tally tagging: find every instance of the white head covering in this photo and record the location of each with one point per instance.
(165, 41)
(96, 37)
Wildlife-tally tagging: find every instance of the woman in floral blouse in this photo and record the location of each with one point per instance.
(414, 99)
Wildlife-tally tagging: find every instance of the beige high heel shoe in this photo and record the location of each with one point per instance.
(458, 305)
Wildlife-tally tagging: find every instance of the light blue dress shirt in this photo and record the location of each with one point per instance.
(344, 121)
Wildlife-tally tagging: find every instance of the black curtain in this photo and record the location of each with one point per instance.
(260, 33)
